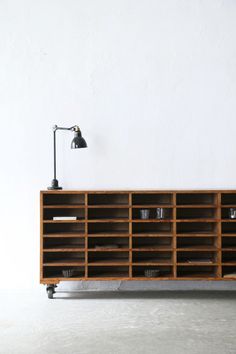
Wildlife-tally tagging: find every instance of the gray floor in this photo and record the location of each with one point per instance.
(118, 322)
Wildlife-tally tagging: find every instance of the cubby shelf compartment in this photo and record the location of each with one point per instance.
(56, 272)
(196, 213)
(168, 214)
(165, 272)
(110, 272)
(154, 199)
(108, 214)
(196, 198)
(104, 243)
(228, 199)
(57, 244)
(65, 199)
(197, 272)
(109, 241)
(50, 213)
(108, 199)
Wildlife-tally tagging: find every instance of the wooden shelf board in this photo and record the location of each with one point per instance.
(197, 264)
(108, 235)
(64, 234)
(79, 221)
(146, 206)
(109, 206)
(110, 263)
(197, 248)
(153, 234)
(153, 263)
(233, 263)
(112, 220)
(120, 249)
(63, 263)
(228, 248)
(196, 234)
(108, 276)
(198, 277)
(63, 249)
(65, 206)
(198, 220)
(233, 234)
(149, 248)
(151, 220)
(167, 277)
(196, 206)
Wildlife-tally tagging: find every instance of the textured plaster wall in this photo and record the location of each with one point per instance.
(151, 83)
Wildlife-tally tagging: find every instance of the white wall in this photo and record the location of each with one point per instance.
(151, 83)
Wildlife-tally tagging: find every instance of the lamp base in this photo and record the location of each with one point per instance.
(54, 185)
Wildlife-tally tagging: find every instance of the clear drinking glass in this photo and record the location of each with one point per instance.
(232, 213)
(160, 213)
(144, 213)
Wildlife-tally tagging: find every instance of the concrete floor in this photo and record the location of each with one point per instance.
(118, 322)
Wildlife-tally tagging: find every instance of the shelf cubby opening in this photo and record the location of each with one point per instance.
(108, 213)
(63, 257)
(98, 243)
(108, 199)
(229, 242)
(168, 213)
(196, 198)
(152, 199)
(197, 272)
(49, 214)
(228, 227)
(152, 257)
(229, 257)
(108, 272)
(152, 242)
(58, 272)
(108, 257)
(229, 272)
(163, 271)
(196, 213)
(152, 228)
(64, 228)
(196, 242)
(63, 199)
(196, 257)
(228, 199)
(108, 228)
(196, 228)
(60, 243)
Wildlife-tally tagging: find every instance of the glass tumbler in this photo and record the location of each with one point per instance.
(160, 213)
(144, 213)
(232, 213)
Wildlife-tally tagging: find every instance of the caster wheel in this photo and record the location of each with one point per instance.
(50, 293)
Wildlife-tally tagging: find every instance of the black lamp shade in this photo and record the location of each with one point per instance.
(78, 142)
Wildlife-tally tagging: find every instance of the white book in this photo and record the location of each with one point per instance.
(64, 217)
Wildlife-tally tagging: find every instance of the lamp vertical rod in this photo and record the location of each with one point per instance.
(54, 153)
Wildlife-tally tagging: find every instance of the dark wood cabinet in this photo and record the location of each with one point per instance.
(195, 239)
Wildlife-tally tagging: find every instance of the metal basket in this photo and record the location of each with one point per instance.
(68, 273)
(152, 273)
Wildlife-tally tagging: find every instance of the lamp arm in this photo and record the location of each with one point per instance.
(74, 128)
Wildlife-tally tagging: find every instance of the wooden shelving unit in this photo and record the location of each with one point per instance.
(109, 241)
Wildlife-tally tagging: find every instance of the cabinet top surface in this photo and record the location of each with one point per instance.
(65, 191)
